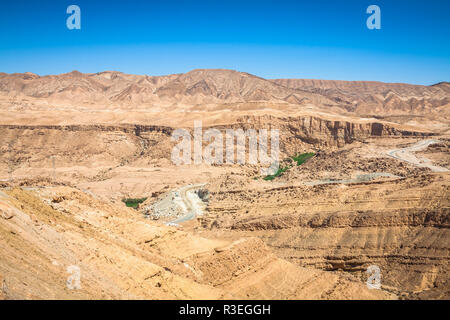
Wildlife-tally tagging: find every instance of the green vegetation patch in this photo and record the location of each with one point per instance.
(302, 158)
(133, 203)
(276, 174)
(299, 159)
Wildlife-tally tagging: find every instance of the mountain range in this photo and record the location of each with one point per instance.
(220, 86)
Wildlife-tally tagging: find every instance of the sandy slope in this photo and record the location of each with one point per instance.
(122, 255)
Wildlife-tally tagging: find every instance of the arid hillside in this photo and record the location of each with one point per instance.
(378, 98)
(207, 90)
(89, 187)
(47, 232)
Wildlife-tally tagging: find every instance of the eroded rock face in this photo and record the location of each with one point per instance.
(122, 145)
(322, 132)
(338, 227)
(121, 255)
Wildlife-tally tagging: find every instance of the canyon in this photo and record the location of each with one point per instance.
(375, 190)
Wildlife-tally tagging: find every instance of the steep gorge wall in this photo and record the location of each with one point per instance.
(324, 132)
(119, 144)
(402, 226)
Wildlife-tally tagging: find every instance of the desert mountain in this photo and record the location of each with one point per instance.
(194, 87)
(371, 97)
(220, 86)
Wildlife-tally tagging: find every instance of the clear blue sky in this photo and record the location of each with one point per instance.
(273, 39)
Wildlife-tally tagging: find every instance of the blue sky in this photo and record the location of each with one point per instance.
(318, 39)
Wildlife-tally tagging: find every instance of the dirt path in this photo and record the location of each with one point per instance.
(407, 154)
(360, 178)
(192, 203)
